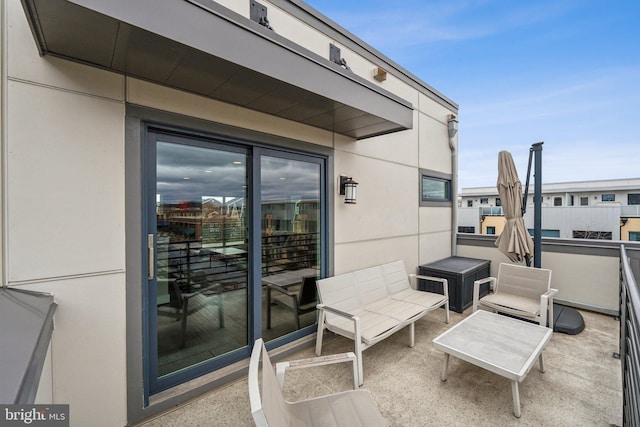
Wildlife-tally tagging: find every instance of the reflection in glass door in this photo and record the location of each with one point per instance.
(199, 228)
(290, 212)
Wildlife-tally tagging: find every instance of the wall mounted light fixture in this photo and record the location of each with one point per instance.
(348, 189)
(379, 74)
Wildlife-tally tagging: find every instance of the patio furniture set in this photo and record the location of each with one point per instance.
(369, 305)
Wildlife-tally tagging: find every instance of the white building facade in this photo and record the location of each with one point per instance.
(605, 209)
(147, 144)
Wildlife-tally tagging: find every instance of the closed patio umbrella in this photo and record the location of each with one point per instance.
(514, 241)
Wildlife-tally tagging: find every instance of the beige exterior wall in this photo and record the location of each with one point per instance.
(583, 280)
(65, 199)
(633, 224)
(65, 219)
(493, 221)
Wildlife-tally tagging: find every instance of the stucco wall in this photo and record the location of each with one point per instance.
(65, 218)
(65, 202)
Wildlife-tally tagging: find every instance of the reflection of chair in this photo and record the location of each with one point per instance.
(182, 304)
(300, 302)
(348, 408)
(519, 291)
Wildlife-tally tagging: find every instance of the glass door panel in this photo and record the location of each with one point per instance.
(291, 220)
(201, 246)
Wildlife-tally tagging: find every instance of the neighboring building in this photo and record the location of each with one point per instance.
(606, 209)
(153, 151)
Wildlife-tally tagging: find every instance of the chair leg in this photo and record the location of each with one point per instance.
(446, 309)
(412, 334)
(183, 326)
(220, 310)
(359, 359)
(297, 316)
(320, 333)
(268, 308)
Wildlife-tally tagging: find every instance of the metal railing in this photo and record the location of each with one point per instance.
(629, 345)
(491, 211)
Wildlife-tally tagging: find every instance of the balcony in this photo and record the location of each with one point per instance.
(582, 384)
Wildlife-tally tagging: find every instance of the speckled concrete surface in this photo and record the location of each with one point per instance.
(581, 385)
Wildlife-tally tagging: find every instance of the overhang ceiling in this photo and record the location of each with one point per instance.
(202, 47)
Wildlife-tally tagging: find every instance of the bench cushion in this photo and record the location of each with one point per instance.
(373, 325)
(425, 299)
(398, 309)
(515, 302)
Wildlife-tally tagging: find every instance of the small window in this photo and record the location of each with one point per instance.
(484, 200)
(491, 230)
(469, 203)
(557, 201)
(545, 232)
(466, 229)
(633, 199)
(609, 197)
(498, 201)
(584, 201)
(435, 189)
(634, 236)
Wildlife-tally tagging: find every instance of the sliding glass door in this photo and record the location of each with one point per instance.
(291, 217)
(212, 289)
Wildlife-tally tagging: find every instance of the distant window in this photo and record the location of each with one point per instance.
(484, 200)
(633, 199)
(608, 197)
(634, 236)
(498, 201)
(435, 189)
(466, 229)
(584, 201)
(557, 201)
(491, 230)
(469, 203)
(546, 233)
(595, 235)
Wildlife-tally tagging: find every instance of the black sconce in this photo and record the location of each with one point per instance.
(624, 221)
(348, 189)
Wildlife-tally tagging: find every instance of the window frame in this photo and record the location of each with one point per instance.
(633, 199)
(608, 197)
(440, 177)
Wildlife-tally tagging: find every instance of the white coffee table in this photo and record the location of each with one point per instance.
(500, 344)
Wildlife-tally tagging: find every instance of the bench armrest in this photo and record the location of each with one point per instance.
(444, 282)
(336, 311)
(311, 362)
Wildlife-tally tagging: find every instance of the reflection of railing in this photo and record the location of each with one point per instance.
(192, 264)
(629, 345)
(289, 251)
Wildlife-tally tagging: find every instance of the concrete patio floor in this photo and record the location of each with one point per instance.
(581, 385)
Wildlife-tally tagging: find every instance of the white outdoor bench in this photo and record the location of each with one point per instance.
(369, 305)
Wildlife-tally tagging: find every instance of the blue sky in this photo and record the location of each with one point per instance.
(566, 72)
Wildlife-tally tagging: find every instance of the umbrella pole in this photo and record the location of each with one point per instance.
(537, 204)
